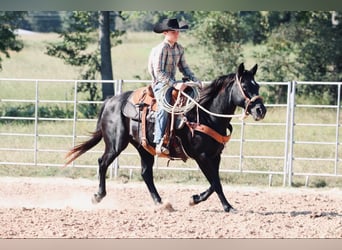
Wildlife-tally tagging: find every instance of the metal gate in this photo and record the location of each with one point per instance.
(294, 139)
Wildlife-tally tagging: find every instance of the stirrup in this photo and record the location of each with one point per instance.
(160, 149)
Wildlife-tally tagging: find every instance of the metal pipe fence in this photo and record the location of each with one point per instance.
(41, 119)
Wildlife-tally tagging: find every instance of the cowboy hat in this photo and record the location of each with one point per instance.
(170, 24)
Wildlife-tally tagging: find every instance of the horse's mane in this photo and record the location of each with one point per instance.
(213, 89)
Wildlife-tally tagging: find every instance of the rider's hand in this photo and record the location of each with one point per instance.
(199, 84)
(180, 86)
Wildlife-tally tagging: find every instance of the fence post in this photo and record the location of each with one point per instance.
(291, 121)
(287, 132)
(338, 111)
(74, 118)
(115, 165)
(242, 140)
(36, 113)
(118, 87)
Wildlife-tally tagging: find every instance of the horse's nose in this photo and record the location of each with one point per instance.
(259, 112)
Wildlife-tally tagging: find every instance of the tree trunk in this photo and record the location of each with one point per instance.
(106, 59)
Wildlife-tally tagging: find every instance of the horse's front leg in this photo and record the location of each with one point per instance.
(226, 206)
(147, 161)
(210, 169)
(219, 191)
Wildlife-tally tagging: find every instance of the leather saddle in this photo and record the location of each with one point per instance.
(141, 107)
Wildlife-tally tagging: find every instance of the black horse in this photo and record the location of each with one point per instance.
(221, 97)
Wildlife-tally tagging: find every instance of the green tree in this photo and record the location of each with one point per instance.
(254, 26)
(278, 62)
(304, 46)
(76, 49)
(106, 59)
(320, 55)
(9, 21)
(219, 33)
(321, 51)
(145, 20)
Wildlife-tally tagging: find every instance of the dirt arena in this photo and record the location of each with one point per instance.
(62, 208)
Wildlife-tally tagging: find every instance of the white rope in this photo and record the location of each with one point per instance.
(241, 116)
(190, 103)
(176, 108)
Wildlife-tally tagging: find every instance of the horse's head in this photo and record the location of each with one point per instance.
(247, 93)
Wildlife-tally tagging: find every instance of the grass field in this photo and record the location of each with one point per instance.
(130, 62)
(129, 59)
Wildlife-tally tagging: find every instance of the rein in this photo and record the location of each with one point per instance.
(242, 116)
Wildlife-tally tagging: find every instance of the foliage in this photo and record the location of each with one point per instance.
(219, 33)
(254, 27)
(295, 45)
(29, 112)
(73, 50)
(321, 55)
(223, 34)
(297, 49)
(76, 50)
(279, 63)
(9, 21)
(145, 20)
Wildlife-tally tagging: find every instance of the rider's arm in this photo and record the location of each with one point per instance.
(162, 70)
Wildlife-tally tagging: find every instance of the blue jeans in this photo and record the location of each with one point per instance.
(161, 114)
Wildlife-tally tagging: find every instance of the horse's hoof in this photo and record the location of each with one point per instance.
(231, 210)
(96, 199)
(194, 200)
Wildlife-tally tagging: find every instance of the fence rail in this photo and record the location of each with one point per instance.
(289, 142)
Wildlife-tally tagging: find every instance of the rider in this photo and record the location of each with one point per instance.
(162, 64)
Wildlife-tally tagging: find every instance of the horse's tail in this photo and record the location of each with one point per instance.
(80, 149)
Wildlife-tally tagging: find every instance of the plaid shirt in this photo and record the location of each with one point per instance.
(163, 62)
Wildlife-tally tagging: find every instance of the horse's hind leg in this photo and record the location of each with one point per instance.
(106, 159)
(197, 198)
(111, 152)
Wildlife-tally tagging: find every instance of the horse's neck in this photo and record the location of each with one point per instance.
(222, 105)
(220, 124)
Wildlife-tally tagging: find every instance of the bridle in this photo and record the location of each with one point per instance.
(248, 101)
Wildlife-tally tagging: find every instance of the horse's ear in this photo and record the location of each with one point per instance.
(241, 69)
(254, 69)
